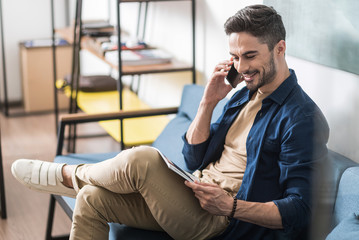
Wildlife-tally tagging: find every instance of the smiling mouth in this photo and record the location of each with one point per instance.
(249, 77)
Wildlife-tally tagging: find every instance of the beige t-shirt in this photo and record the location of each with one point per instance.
(228, 171)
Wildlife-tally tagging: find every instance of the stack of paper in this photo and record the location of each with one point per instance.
(139, 57)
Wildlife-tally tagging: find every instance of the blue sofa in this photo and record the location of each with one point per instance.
(341, 178)
(343, 206)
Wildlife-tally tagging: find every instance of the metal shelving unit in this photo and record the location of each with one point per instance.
(123, 70)
(6, 101)
(75, 37)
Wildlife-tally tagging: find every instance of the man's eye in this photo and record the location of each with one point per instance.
(250, 56)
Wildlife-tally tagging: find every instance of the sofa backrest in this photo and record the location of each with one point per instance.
(170, 140)
(347, 200)
(346, 210)
(338, 164)
(329, 206)
(338, 167)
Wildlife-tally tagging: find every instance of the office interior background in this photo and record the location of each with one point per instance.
(169, 26)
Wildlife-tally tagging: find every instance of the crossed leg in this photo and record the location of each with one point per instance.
(97, 206)
(136, 188)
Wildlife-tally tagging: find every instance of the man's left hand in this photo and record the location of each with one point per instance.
(212, 198)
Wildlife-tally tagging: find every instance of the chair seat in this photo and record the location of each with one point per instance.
(117, 231)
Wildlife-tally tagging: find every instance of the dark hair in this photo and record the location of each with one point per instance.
(261, 21)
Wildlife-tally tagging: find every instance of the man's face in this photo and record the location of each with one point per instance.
(253, 60)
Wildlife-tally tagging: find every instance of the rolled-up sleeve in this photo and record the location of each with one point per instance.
(194, 153)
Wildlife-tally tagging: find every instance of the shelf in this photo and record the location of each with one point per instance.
(137, 130)
(173, 66)
(124, 1)
(143, 130)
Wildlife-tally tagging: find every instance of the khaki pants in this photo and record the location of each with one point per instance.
(137, 189)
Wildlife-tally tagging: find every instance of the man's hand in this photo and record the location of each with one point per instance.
(216, 201)
(216, 88)
(212, 198)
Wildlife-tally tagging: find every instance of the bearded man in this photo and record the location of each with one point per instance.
(255, 164)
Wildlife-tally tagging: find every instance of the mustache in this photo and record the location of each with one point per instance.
(249, 72)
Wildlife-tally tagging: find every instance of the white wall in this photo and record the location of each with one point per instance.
(170, 27)
(211, 41)
(336, 93)
(170, 24)
(23, 20)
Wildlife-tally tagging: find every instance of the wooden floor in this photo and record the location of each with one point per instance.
(34, 137)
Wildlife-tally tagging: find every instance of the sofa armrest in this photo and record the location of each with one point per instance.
(86, 118)
(78, 118)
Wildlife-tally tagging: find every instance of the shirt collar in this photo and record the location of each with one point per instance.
(281, 93)
(278, 96)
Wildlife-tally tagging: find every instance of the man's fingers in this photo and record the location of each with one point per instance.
(207, 184)
(202, 187)
(223, 66)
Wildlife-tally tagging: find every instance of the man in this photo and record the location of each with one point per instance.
(255, 163)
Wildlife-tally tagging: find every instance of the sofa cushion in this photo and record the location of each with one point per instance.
(170, 140)
(191, 97)
(326, 188)
(76, 158)
(347, 200)
(347, 229)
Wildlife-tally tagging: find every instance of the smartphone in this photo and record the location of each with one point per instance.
(233, 77)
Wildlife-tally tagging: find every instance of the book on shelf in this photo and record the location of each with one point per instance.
(171, 165)
(101, 45)
(139, 57)
(96, 24)
(98, 28)
(44, 42)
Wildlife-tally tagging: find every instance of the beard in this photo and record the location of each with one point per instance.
(268, 74)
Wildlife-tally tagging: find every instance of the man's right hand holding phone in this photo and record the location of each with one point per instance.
(233, 77)
(216, 88)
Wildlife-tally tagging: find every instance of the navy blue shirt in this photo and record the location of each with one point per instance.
(287, 139)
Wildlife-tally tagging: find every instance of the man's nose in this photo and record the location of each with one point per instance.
(242, 66)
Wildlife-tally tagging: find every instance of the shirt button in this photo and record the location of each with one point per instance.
(260, 114)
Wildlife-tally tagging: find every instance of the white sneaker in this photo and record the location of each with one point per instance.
(41, 176)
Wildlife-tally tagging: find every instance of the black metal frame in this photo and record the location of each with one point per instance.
(76, 63)
(54, 70)
(100, 117)
(50, 217)
(75, 70)
(6, 101)
(84, 118)
(2, 186)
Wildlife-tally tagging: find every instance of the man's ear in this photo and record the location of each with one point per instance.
(280, 48)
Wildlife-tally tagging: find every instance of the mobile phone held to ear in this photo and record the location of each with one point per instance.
(233, 77)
